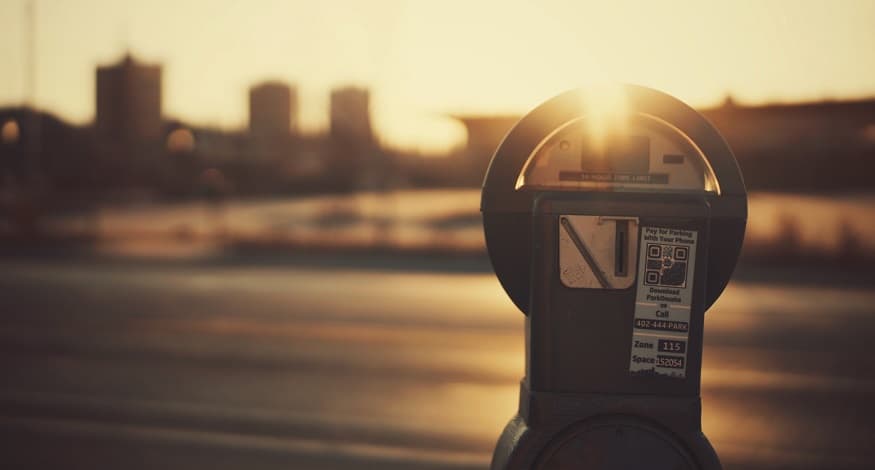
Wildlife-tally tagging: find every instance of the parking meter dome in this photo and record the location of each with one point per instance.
(665, 149)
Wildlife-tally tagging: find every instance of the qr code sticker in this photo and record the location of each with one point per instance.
(666, 265)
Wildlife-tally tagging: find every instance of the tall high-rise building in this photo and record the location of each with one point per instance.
(129, 101)
(273, 107)
(350, 116)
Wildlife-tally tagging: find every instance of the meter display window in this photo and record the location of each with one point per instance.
(651, 155)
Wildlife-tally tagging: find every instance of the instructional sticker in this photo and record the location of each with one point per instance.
(597, 252)
(660, 332)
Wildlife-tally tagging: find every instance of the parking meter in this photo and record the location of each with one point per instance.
(614, 245)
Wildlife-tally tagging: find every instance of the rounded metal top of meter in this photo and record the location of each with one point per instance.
(658, 146)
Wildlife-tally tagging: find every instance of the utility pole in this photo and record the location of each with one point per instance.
(34, 179)
(30, 54)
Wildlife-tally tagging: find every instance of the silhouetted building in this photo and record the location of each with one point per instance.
(352, 160)
(273, 108)
(351, 115)
(40, 152)
(826, 145)
(129, 101)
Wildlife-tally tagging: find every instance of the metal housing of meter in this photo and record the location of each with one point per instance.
(614, 245)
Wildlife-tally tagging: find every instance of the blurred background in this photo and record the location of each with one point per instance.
(247, 234)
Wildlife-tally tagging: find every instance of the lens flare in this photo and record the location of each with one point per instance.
(606, 113)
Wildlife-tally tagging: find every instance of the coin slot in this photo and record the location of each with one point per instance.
(621, 248)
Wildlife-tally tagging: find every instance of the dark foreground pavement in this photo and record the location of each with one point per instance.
(145, 365)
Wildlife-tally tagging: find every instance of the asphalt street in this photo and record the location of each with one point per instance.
(151, 365)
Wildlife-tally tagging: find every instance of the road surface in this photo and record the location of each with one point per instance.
(187, 365)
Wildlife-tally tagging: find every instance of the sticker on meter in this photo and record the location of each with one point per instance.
(660, 331)
(666, 265)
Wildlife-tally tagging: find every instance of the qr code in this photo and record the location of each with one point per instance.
(666, 265)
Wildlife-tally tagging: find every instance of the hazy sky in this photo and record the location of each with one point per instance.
(423, 59)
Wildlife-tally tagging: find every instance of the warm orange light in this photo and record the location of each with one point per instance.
(10, 133)
(606, 113)
(869, 133)
(180, 140)
(412, 130)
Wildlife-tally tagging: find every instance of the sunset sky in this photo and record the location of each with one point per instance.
(425, 59)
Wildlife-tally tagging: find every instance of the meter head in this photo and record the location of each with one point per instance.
(659, 149)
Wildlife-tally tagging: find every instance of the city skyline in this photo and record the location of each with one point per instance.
(424, 61)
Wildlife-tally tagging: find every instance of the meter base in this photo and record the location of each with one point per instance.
(604, 432)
